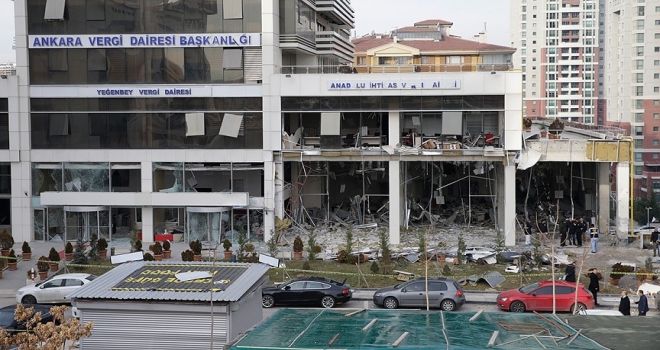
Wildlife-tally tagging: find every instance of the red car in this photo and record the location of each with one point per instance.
(538, 297)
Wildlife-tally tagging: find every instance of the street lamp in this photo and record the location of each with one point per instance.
(648, 216)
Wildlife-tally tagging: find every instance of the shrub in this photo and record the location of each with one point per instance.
(556, 126)
(187, 255)
(79, 255)
(102, 244)
(137, 247)
(249, 247)
(374, 267)
(53, 255)
(384, 242)
(619, 270)
(312, 247)
(43, 264)
(196, 247)
(26, 248)
(148, 257)
(272, 245)
(446, 270)
(156, 248)
(6, 240)
(306, 266)
(345, 257)
(166, 245)
(12, 256)
(349, 239)
(460, 252)
(298, 244)
(527, 122)
(226, 244)
(68, 248)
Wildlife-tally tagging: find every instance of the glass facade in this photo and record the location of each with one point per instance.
(4, 124)
(157, 123)
(140, 66)
(387, 103)
(148, 17)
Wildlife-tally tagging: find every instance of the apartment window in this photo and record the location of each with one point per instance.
(639, 104)
(640, 50)
(638, 157)
(656, 75)
(640, 10)
(657, 35)
(655, 156)
(657, 9)
(639, 64)
(656, 89)
(639, 117)
(639, 143)
(656, 142)
(639, 91)
(656, 115)
(655, 129)
(362, 61)
(640, 24)
(656, 62)
(639, 131)
(640, 77)
(638, 170)
(656, 102)
(639, 38)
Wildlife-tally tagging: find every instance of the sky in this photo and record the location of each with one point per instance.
(381, 16)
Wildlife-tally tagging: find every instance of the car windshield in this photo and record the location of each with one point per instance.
(6, 318)
(91, 277)
(529, 288)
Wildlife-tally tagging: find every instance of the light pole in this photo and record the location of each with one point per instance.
(648, 216)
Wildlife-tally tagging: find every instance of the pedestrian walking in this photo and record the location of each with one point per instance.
(654, 241)
(572, 229)
(642, 304)
(624, 304)
(593, 284)
(593, 233)
(570, 272)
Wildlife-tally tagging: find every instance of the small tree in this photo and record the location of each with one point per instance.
(272, 245)
(156, 248)
(166, 245)
(137, 247)
(6, 240)
(42, 263)
(226, 244)
(298, 244)
(148, 257)
(374, 267)
(102, 244)
(25, 248)
(460, 252)
(385, 252)
(93, 253)
(312, 247)
(68, 247)
(187, 255)
(241, 244)
(53, 255)
(79, 256)
(349, 239)
(196, 247)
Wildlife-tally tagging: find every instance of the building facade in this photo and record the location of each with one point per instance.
(558, 44)
(202, 119)
(632, 77)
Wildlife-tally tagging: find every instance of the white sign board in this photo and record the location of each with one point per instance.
(438, 84)
(269, 260)
(134, 41)
(122, 258)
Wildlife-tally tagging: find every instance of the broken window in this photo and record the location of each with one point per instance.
(86, 177)
(168, 177)
(55, 10)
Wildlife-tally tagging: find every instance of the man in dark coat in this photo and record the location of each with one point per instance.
(543, 231)
(582, 228)
(563, 233)
(593, 284)
(624, 304)
(642, 304)
(572, 229)
(570, 272)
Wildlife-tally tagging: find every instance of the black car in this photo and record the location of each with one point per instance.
(8, 323)
(308, 291)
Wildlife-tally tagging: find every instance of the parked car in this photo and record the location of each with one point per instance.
(307, 291)
(538, 297)
(443, 293)
(53, 290)
(8, 323)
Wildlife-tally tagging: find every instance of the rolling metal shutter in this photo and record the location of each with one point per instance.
(252, 64)
(155, 329)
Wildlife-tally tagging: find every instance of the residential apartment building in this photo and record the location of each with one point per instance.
(632, 79)
(558, 50)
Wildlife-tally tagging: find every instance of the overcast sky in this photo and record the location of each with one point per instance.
(381, 16)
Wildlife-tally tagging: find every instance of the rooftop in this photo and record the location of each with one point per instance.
(448, 43)
(430, 22)
(142, 280)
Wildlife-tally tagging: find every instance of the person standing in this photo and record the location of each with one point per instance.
(572, 228)
(594, 238)
(543, 231)
(581, 230)
(654, 241)
(593, 284)
(528, 233)
(624, 304)
(642, 304)
(570, 272)
(563, 233)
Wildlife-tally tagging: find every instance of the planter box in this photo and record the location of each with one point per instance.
(164, 237)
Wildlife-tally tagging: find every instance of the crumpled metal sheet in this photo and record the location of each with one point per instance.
(493, 278)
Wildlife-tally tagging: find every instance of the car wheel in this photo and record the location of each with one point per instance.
(328, 302)
(29, 299)
(267, 301)
(390, 303)
(517, 306)
(448, 305)
(580, 308)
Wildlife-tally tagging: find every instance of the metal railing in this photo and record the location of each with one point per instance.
(408, 68)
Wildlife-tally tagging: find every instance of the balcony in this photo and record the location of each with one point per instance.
(333, 43)
(298, 42)
(409, 68)
(337, 11)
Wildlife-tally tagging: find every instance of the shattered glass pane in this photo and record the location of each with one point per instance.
(37, 181)
(204, 226)
(168, 177)
(55, 221)
(38, 226)
(86, 177)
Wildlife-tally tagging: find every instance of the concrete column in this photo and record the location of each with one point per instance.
(395, 202)
(146, 177)
(506, 203)
(603, 183)
(394, 130)
(271, 194)
(622, 200)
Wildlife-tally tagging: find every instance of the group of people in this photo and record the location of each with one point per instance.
(575, 231)
(642, 303)
(594, 287)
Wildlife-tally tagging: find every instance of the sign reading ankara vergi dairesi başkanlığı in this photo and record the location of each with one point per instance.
(109, 41)
(162, 278)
